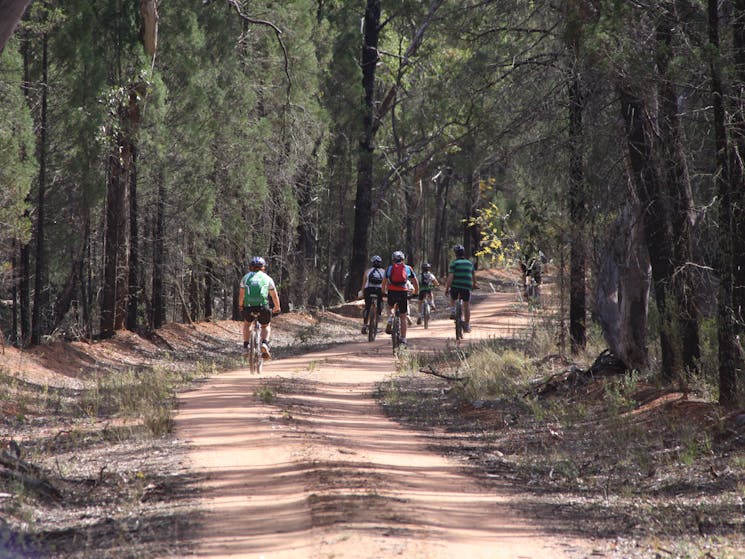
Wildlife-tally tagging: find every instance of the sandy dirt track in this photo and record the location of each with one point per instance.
(321, 472)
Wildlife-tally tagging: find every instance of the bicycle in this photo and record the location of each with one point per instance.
(458, 316)
(253, 353)
(396, 328)
(373, 317)
(426, 312)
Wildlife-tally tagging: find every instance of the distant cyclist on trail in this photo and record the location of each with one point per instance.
(396, 277)
(256, 290)
(372, 284)
(461, 281)
(427, 283)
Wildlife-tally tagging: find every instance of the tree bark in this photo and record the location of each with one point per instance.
(40, 273)
(158, 305)
(622, 290)
(577, 216)
(657, 225)
(363, 199)
(133, 291)
(11, 12)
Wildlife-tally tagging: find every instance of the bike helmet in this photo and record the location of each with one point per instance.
(257, 262)
(426, 266)
(376, 261)
(398, 256)
(459, 250)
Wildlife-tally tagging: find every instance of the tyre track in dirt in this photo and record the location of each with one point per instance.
(320, 471)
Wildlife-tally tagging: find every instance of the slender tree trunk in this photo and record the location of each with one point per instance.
(363, 200)
(677, 187)
(730, 183)
(133, 292)
(40, 273)
(158, 307)
(439, 250)
(577, 216)
(208, 289)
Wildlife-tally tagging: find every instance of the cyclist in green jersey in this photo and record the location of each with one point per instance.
(257, 288)
(460, 282)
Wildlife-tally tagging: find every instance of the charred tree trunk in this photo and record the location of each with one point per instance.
(730, 183)
(133, 294)
(40, 273)
(577, 216)
(363, 200)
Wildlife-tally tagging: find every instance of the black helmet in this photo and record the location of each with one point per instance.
(459, 250)
(376, 260)
(426, 266)
(257, 262)
(398, 256)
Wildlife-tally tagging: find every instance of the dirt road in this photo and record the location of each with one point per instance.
(302, 463)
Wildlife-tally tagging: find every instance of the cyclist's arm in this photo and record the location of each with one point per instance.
(384, 286)
(448, 282)
(415, 283)
(275, 300)
(241, 296)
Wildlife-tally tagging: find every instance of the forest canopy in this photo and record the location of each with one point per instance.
(148, 150)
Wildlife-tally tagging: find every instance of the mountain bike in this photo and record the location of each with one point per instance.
(459, 324)
(253, 352)
(426, 312)
(396, 328)
(373, 317)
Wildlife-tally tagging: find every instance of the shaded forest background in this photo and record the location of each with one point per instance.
(148, 149)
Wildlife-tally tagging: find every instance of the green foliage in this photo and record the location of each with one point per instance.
(17, 163)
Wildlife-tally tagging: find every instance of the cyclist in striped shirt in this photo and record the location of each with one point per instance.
(460, 282)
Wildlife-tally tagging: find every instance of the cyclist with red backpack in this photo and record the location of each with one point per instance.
(372, 284)
(397, 276)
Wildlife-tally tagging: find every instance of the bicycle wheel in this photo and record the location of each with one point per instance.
(459, 320)
(252, 353)
(426, 313)
(396, 332)
(255, 360)
(372, 321)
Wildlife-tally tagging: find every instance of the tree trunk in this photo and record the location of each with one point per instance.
(677, 187)
(133, 292)
(363, 199)
(657, 226)
(577, 216)
(730, 182)
(40, 274)
(11, 12)
(158, 306)
(622, 290)
(439, 250)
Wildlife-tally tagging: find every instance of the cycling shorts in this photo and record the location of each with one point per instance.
(465, 294)
(263, 313)
(400, 297)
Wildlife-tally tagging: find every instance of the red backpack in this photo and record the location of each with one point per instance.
(399, 275)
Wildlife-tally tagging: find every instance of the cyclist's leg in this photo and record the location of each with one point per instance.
(247, 324)
(403, 308)
(467, 310)
(265, 320)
